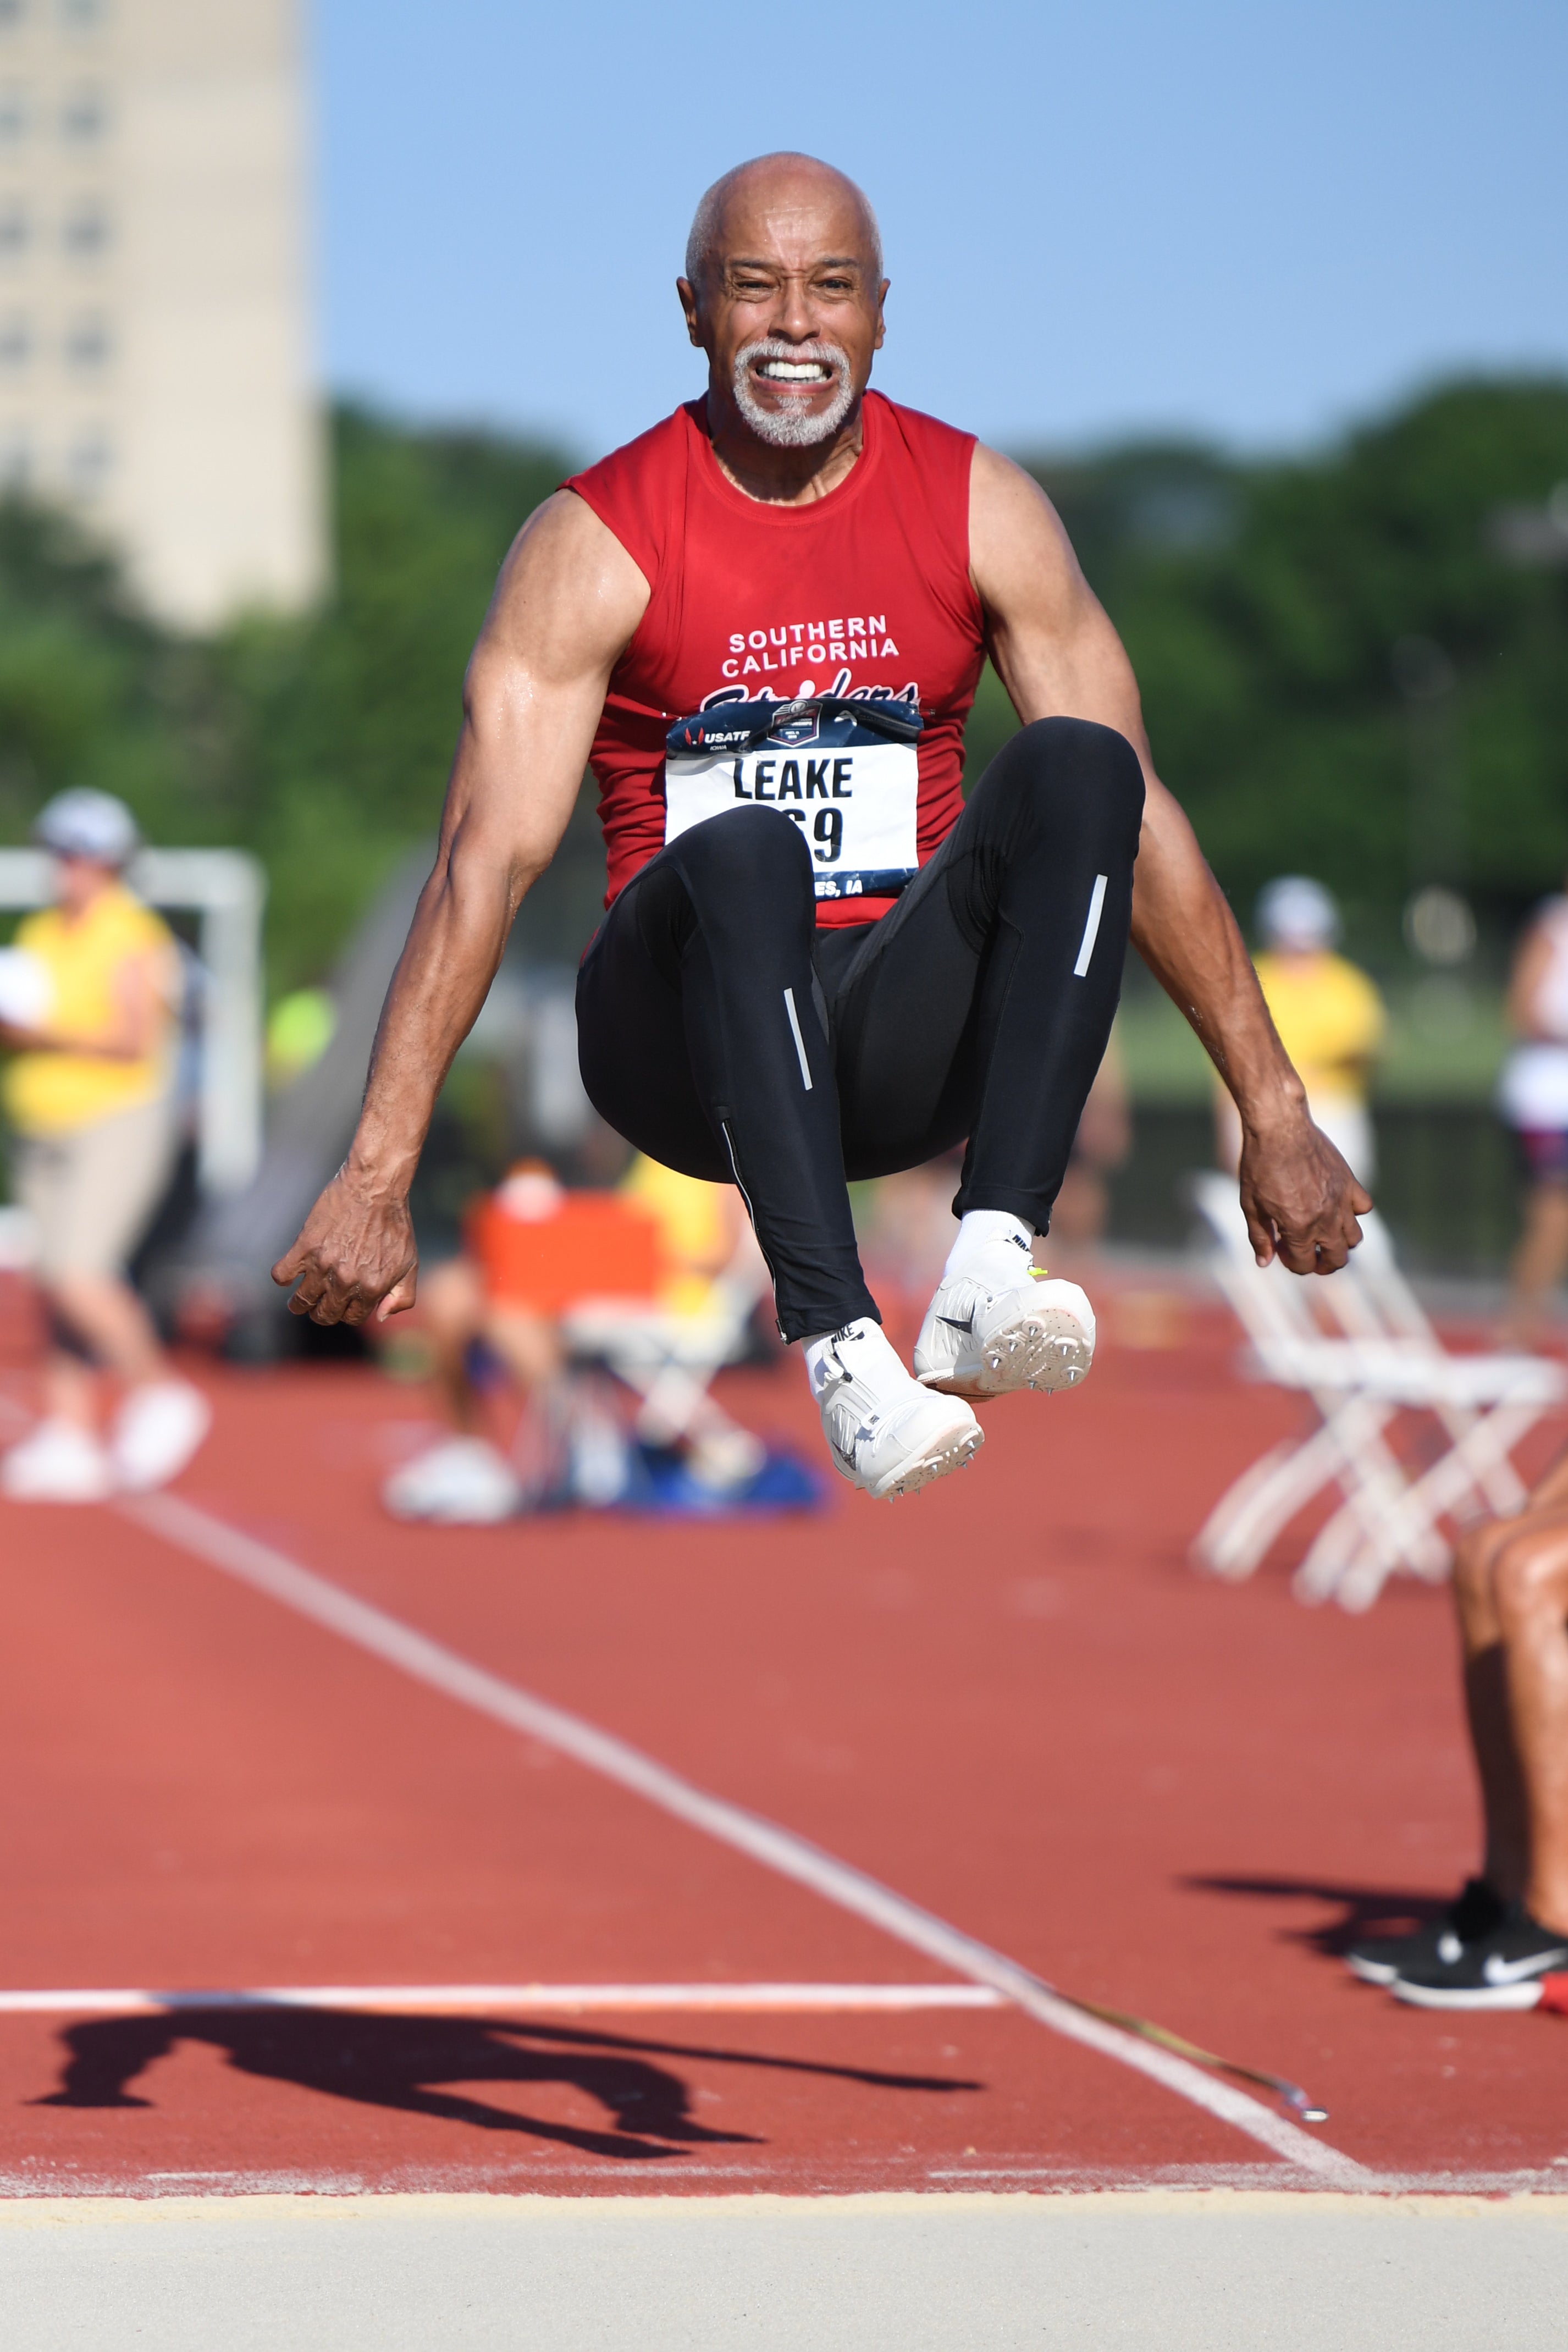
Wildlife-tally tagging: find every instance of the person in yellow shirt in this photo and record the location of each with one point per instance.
(89, 1001)
(1329, 1017)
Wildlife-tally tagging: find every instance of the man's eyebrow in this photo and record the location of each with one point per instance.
(824, 261)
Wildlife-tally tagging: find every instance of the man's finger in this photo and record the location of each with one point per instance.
(1260, 1231)
(312, 1285)
(289, 1268)
(400, 1297)
(320, 1295)
(337, 1298)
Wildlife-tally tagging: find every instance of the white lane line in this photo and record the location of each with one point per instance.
(1091, 927)
(799, 1040)
(429, 1662)
(472, 2001)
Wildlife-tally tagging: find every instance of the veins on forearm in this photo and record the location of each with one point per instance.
(437, 992)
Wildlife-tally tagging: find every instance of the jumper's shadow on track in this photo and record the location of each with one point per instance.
(1363, 1910)
(395, 2062)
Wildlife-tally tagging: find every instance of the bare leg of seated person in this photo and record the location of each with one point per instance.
(1481, 1902)
(451, 1308)
(529, 1346)
(470, 1477)
(1529, 1580)
(1510, 1589)
(1505, 1863)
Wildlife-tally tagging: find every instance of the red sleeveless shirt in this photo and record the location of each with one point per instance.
(864, 590)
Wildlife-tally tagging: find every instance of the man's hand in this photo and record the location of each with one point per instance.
(1300, 1199)
(354, 1258)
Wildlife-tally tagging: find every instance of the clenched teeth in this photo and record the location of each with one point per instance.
(796, 371)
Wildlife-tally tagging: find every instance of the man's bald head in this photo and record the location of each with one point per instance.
(784, 180)
(783, 292)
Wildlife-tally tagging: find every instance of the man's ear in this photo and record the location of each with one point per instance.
(688, 294)
(881, 321)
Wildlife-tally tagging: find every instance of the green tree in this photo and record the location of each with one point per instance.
(89, 692)
(348, 717)
(1264, 607)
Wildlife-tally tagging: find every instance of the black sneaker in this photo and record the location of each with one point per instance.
(1474, 1912)
(1504, 1971)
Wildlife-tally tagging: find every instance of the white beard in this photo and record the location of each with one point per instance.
(784, 429)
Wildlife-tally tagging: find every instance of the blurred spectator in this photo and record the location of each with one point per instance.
(533, 1251)
(1534, 1099)
(90, 1094)
(1329, 1017)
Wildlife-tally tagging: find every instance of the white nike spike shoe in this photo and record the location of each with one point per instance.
(887, 1435)
(985, 1335)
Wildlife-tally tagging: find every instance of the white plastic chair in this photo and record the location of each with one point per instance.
(670, 1361)
(1372, 1355)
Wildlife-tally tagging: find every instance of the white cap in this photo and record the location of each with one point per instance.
(85, 823)
(1296, 912)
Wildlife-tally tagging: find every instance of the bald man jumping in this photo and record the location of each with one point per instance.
(762, 625)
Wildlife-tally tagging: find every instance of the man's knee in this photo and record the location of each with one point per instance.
(1079, 763)
(1529, 1576)
(745, 849)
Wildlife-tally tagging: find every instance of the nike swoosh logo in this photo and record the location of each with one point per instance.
(954, 1324)
(1504, 1972)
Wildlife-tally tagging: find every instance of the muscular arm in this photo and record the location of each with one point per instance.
(568, 599)
(1058, 657)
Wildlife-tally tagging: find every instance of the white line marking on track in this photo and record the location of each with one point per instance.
(795, 1857)
(472, 2001)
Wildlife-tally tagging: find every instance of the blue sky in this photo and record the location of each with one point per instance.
(1253, 223)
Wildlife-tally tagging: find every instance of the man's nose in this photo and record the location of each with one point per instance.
(794, 317)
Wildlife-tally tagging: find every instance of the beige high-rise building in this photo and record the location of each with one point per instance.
(154, 368)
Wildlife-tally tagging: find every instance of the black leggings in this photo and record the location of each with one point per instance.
(723, 1034)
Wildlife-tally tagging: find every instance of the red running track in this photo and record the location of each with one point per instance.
(1010, 1699)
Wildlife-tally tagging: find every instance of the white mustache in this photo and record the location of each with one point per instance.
(780, 427)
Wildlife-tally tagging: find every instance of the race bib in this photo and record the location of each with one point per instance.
(847, 772)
